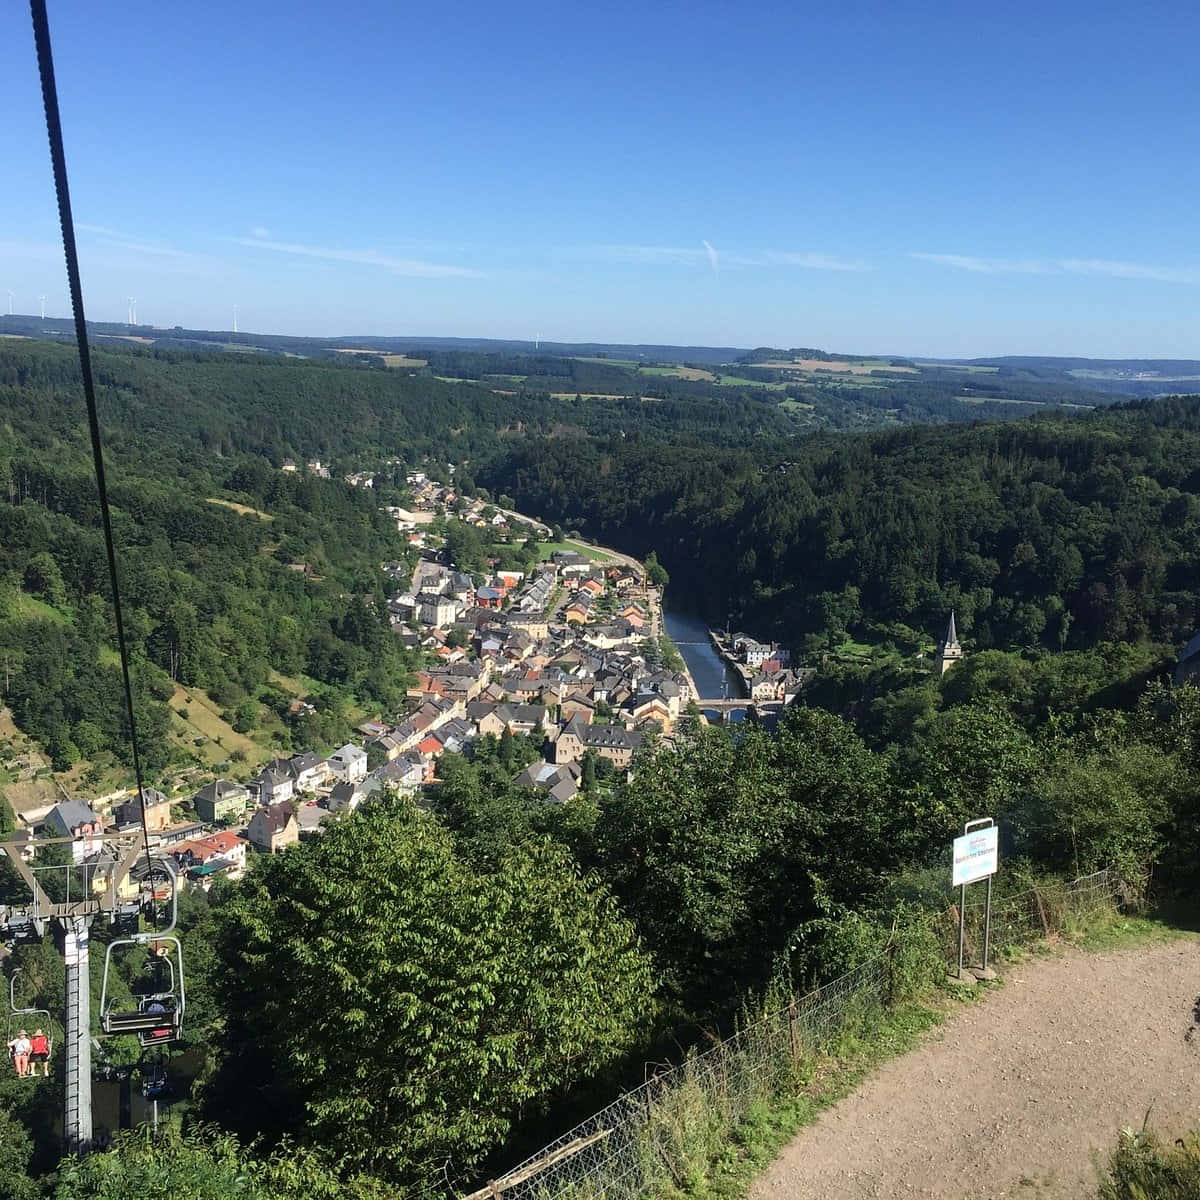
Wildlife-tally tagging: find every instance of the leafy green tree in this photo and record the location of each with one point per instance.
(1105, 803)
(386, 1001)
(16, 1155)
(967, 762)
(680, 845)
(588, 778)
(44, 578)
(204, 1163)
(656, 573)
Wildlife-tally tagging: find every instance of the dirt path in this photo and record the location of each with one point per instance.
(1012, 1096)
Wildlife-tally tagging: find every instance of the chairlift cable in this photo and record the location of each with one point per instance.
(58, 158)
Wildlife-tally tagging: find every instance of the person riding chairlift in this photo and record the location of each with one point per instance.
(19, 1048)
(39, 1052)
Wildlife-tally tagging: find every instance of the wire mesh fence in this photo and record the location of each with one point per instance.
(659, 1133)
(664, 1134)
(1036, 913)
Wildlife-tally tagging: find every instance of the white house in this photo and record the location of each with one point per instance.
(274, 785)
(349, 764)
(437, 610)
(308, 770)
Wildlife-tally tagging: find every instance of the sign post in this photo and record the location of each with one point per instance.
(975, 857)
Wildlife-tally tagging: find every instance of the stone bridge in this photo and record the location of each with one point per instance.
(724, 708)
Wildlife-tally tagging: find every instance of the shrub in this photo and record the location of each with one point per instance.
(1142, 1168)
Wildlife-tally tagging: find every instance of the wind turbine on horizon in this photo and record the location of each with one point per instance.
(132, 311)
(11, 297)
(235, 312)
(43, 300)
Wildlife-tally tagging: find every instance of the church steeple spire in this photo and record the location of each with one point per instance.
(949, 652)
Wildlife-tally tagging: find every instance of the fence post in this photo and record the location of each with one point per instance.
(890, 951)
(968, 944)
(793, 1032)
(1037, 897)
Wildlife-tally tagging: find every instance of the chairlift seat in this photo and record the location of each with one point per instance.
(140, 1021)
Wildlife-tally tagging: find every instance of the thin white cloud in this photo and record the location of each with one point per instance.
(130, 241)
(1112, 268)
(668, 255)
(687, 256)
(1129, 270)
(964, 262)
(369, 258)
(260, 231)
(810, 262)
(139, 253)
(145, 248)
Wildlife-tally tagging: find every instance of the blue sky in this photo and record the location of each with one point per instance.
(919, 178)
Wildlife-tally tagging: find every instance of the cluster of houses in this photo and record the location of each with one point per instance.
(559, 654)
(230, 817)
(766, 670)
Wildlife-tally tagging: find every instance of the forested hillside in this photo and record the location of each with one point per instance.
(413, 999)
(1061, 531)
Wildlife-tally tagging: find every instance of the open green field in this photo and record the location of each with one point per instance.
(545, 549)
(608, 362)
(30, 608)
(860, 366)
(204, 720)
(592, 552)
(691, 373)
(965, 368)
(1118, 373)
(739, 381)
(300, 686)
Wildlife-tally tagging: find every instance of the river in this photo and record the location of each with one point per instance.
(708, 669)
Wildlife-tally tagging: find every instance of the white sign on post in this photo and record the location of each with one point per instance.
(975, 855)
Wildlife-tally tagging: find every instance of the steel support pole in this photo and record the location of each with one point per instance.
(77, 1058)
(962, 925)
(987, 924)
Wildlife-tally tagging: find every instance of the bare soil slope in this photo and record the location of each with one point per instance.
(1014, 1096)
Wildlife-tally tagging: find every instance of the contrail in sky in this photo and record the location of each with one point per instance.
(712, 257)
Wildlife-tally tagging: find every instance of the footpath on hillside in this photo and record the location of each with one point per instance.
(1015, 1096)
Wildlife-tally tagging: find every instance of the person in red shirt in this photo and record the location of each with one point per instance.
(39, 1052)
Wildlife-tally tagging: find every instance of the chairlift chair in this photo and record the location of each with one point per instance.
(19, 1018)
(157, 1019)
(155, 1082)
(21, 926)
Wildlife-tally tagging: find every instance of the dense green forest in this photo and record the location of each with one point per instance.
(1058, 531)
(408, 1002)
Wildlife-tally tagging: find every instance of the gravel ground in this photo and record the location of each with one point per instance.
(1016, 1095)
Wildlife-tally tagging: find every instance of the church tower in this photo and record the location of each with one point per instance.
(949, 652)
